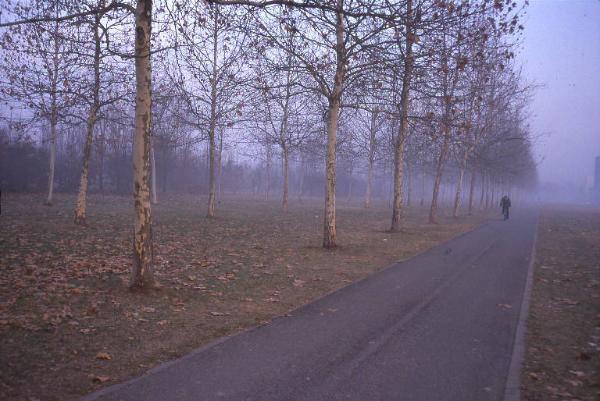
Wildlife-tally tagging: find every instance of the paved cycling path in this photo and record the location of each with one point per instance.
(440, 326)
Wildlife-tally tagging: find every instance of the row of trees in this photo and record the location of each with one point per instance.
(380, 86)
(23, 168)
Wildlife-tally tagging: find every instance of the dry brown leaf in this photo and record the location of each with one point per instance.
(105, 356)
(99, 379)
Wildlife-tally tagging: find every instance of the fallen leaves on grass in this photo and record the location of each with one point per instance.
(48, 264)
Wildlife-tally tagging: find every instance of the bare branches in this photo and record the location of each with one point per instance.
(114, 5)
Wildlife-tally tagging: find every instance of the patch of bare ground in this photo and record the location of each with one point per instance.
(68, 324)
(562, 360)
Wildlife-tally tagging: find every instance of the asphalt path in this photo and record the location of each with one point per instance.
(439, 326)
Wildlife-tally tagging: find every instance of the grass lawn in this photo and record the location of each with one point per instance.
(562, 360)
(68, 324)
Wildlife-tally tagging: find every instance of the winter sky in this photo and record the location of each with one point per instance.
(561, 51)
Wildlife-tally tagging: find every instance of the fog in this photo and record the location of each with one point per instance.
(540, 111)
(561, 53)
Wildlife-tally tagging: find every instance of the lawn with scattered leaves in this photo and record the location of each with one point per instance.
(68, 324)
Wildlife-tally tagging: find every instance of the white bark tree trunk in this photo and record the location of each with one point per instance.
(81, 206)
(212, 126)
(53, 116)
(142, 272)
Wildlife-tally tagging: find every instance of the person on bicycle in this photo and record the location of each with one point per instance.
(505, 204)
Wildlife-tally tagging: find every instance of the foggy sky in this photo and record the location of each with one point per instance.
(561, 50)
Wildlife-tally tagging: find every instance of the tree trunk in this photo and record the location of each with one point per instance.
(397, 191)
(212, 127)
(409, 189)
(438, 175)
(153, 167)
(141, 274)
(211, 174)
(349, 194)
(283, 136)
(487, 192)
(404, 104)
(482, 197)
(423, 179)
(220, 166)
(80, 208)
(330, 234)
(369, 185)
(461, 175)
(472, 191)
(53, 117)
(52, 159)
(101, 144)
(372, 144)
(329, 229)
(302, 172)
(165, 171)
(286, 163)
(268, 173)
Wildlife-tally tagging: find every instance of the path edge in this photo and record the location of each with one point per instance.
(512, 390)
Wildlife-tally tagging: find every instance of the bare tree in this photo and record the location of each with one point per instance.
(285, 116)
(329, 53)
(40, 69)
(107, 86)
(210, 66)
